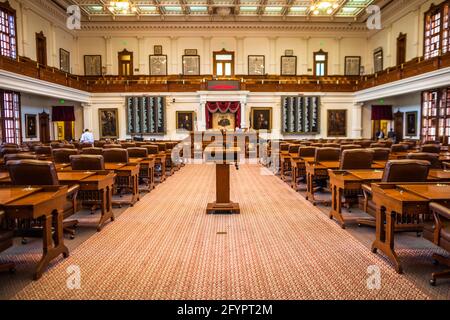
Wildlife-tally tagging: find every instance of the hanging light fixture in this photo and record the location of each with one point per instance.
(328, 6)
(121, 7)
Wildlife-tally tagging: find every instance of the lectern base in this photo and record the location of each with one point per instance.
(223, 208)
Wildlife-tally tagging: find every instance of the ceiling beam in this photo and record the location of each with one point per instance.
(262, 7)
(288, 6)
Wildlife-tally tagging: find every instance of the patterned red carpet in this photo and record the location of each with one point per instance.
(166, 247)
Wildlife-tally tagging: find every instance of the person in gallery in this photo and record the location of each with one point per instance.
(87, 137)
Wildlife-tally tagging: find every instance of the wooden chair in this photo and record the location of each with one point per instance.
(63, 155)
(441, 238)
(6, 241)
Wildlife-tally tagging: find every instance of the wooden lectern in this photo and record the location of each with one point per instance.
(223, 158)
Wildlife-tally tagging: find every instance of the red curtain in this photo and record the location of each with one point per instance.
(63, 113)
(382, 113)
(223, 107)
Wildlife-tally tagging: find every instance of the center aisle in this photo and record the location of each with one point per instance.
(166, 247)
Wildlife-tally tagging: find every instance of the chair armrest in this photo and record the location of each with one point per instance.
(73, 190)
(440, 210)
(366, 189)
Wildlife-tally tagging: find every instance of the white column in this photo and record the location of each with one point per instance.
(141, 56)
(88, 120)
(389, 53)
(240, 63)
(23, 48)
(76, 68)
(54, 61)
(357, 121)
(109, 56)
(207, 56)
(338, 60)
(201, 121)
(272, 69)
(174, 58)
(305, 64)
(243, 102)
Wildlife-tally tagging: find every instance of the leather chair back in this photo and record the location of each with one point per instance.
(380, 154)
(350, 147)
(5, 151)
(431, 148)
(32, 172)
(19, 156)
(69, 146)
(92, 151)
(331, 145)
(137, 152)
(284, 146)
(399, 148)
(406, 171)
(162, 147)
(45, 150)
(294, 148)
(432, 158)
(57, 145)
(152, 149)
(127, 145)
(85, 145)
(87, 162)
(307, 152)
(99, 144)
(317, 145)
(378, 145)
(327, 154)
(63, 155)
(356, 159)
(112, 146)
(115, 155)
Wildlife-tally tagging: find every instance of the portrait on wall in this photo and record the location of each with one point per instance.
(411, 123)
(191, 65)
(158, 65)
(64, 60)
(93, 65)
(288, 66)
(31, 126)
(224, 121)
(378, 60)
(261, 119)
(352, 66)
(185, 120)
(337, 123)
(157, 50)
(108, 123)
(256, 65)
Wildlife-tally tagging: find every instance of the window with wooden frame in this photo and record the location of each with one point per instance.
(320, 63)
(223, 62)
(401, 49)
(437, 29)
(41, 48)
(10, 117)
(8, 31)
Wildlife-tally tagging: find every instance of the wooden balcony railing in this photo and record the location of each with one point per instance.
(180, 83)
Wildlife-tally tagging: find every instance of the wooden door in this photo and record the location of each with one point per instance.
(398, 126)
(401, 49)
(125, 63)
(41, 48)
(68, 130)
(44, 127)
(376, 126)
(223, 62)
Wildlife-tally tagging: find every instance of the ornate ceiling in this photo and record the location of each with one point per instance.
(218, 10)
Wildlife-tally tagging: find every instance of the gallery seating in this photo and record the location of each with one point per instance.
(441, 238)
(63, 155)
(87, 162)
(433, 158)
(397, 171)
(35, 172)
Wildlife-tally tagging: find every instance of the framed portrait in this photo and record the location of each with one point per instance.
(191, 65)
(256, 65)
(352, 66)
(411, 123)
(190, 52)
(288, 66)
(92, 65)
(108, 123)
(261, 119)
(31, 126)
(378, 60)
(157, 50)
(158, 65)
(64, 60)
(224, 121)
(337, 123)
(185, 120)
(289, 52)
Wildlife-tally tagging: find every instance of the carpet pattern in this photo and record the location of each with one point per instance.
(166, 247)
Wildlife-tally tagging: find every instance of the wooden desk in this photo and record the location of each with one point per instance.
(147, 173)
(441, 175)
(128, 178)
(135, 160)
(45, 203)
(298, 168)
(160, 159)
(61, 166)
(406, 204)
(114, 166)
(314, 171)
(223, 204)
(73, 177)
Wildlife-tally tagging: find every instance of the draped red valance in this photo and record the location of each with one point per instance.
(382, 113)
(223, 107)
(63, 113)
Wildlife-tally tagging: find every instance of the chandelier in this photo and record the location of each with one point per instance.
(121, 7)
(323, 6)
